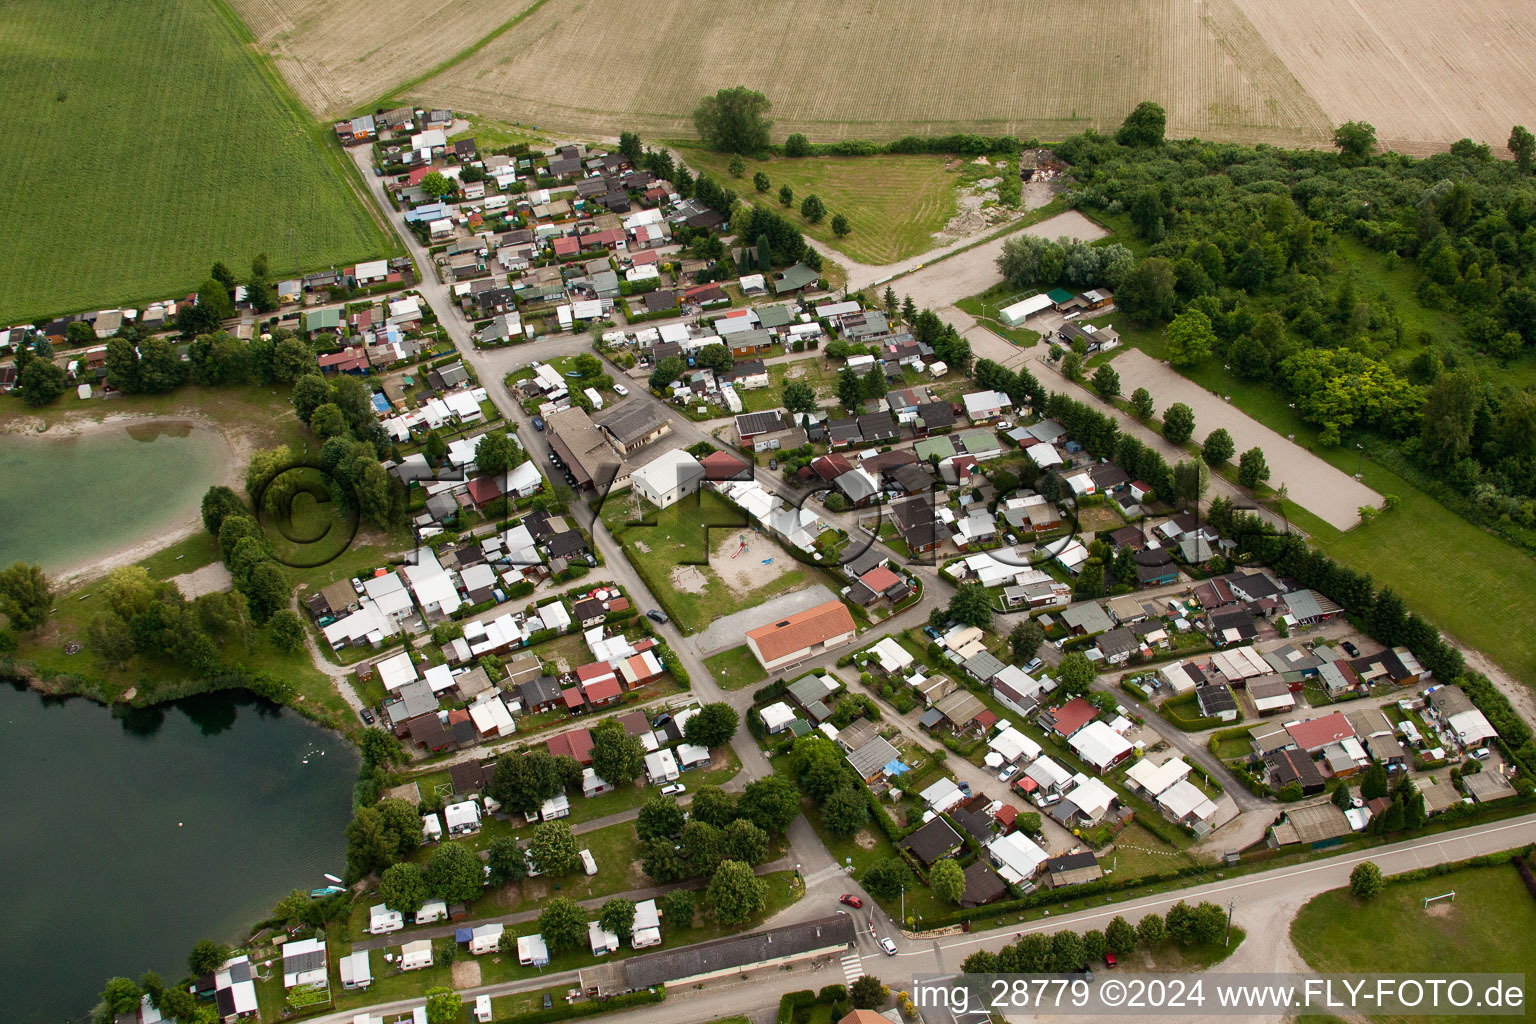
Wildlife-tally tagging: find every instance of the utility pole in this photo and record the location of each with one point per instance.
(1227, 939)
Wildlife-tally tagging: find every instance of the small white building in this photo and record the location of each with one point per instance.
(304, 963)
(462, 818)
(588, 862)
(691, 755)
(601, 939)
(557, 806)
(661, 767)
(776, 717)
(416, 955)
(382, 920)
(356, 971)
(668, 478)
(646, 931)
(432, 910)
(1015, 857)
(486, 938)
(531, 950)
(483, 1009)
(431, 827)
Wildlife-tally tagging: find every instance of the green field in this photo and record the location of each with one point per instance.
(676, 537)
(810, 371)
(894, 203)
(1487, 928)
(735, 668)
(148, 140)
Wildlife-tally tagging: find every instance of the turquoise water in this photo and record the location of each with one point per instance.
(67, 500)
(129, 836)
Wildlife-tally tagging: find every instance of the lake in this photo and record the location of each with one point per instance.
(71, 499)
(130, 835)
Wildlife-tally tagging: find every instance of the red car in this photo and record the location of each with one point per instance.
(852, 901)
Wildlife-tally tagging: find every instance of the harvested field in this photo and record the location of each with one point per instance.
(908, 68)
(147, 141)
(341, 56)
(1424, 73)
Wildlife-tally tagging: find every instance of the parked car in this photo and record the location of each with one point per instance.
(621, 390)
(661, 720)
(888, 946)
(367, 716)
(538, 423)
(656, 616)
(357, 585)
(773, 463)
(1350, 649)
(548, 1002)
(1008, 772)
(1034, 663)
(674, 789)
(1481, 753)
(1109, 960)
(932, 632)
(850, 900)
(965, 787)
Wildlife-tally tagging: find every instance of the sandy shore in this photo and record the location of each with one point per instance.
(84, 423)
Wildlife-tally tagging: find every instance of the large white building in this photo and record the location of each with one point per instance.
(668, 478)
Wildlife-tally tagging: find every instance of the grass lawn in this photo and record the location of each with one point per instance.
(735, 668)
(864, 849)
(678, 536)
(152, 91)
(984, 307)
(1487, 928)
(810, 370)
(894, 203)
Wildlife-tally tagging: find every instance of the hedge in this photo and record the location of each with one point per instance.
(1171, 707)
(1133, 690)
(772, 691)
(1046, 897)
(591, 1008)
(793, 1001)
(1514, 734)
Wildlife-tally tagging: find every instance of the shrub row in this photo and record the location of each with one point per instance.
(591, 1008)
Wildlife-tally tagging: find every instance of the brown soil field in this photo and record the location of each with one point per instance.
(1424, 73)
(868, 69)
(340, 54)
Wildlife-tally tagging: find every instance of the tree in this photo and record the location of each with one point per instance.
(206, 956)
(840, 225)
(1067, 952)
(1106, 381)
(25, 596)
(1190, 479)
(1025, 640)
(1150, 931)
(1523, 145)
(738, 167)
(1095, 944)
(760, 182)
(1180, 921)
(869, 992)
(1190, 338)
(1341, 797)
(454, 874)
(618, 916)
(1072, 366)
(617, 757)
(712, 725)
(1075, 673)
(714, 806)
(1143, 126)
(1365, 880)
(110, 636)
(1120, 936)
(1149, 292)
(1141, 403)
(629, 145)
(771, 802)
(437, 185)
(553, 849)
(497, 452)
(812, 208)
(219, 502)
(1218, 448)
(845, 811)
(663, 860)
(121, 996)
(874, 385)
(733, 121)
(660, 818)
(850, 389)
(947, 880)
(735, 895)
(1356, 141)
(1374, 784)
(677, 907)
(786, 195)
(667, 370)
(799, 396)
(506, 861)
(884, 879)
(971, 605)
(563, 924)
(702, 847)
(40, 382)
(285, 631)
(797, 145)
(444, 1006)
(741, 840)
(1178, 423)
(403, 886)
(1252, 470)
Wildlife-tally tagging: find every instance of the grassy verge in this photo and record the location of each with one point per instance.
(735, 668)
(985, 306)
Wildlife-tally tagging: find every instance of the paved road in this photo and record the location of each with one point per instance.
(1261, 901)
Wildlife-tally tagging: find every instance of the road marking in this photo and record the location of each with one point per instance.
(853, 968)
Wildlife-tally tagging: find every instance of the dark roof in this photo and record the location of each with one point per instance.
(1215, 697)
(738, 951)
(468, 776)
(759, 422)
(932, 841)
(982, 885)
(878, 426)
(298, 963)
(936, 415)
(1072, 862)
(1287, 766)
(567, 543)
(539, 691)
(977, 824)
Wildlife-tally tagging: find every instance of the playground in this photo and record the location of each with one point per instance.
(747, 560)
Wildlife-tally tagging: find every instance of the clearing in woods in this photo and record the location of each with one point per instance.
(925, 69)
(148, 141)
(895, 204)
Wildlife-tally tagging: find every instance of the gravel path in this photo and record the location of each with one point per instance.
(730, 631)
(1314, 484)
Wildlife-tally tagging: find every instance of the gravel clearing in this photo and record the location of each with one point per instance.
(728, 632)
